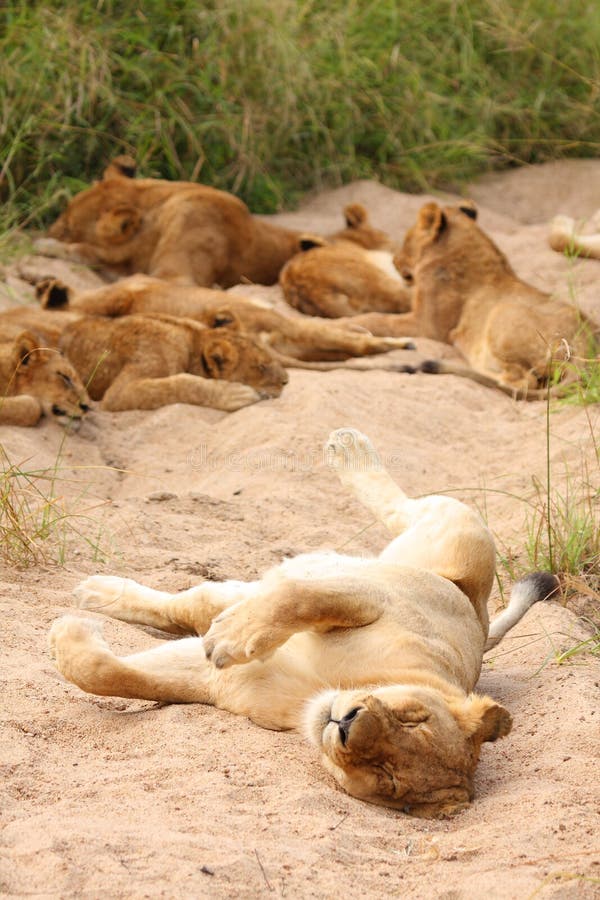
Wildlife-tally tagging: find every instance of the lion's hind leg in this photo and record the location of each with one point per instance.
(186, 612)
(436, 533)
(175, 672)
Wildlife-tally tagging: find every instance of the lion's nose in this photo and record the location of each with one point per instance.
(345, 723)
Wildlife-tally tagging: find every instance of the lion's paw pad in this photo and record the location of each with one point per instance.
(100, 591)
(348, 448)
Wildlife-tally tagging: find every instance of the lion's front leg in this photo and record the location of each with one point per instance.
(186, 612)
(359, 468)
(285, 605)
(152, 393)
(23, 410)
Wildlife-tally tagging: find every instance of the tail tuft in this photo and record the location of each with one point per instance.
(528, 590)
(430, 366)
(535, 587)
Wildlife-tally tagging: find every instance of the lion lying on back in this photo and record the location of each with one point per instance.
(376, 659)
(180, 231)
(467, 294)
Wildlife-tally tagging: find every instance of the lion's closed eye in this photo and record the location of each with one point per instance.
(413, 723)
(65, 378)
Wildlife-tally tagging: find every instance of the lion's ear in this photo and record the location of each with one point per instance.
(432, 220)
(225, 318)
(481, 718)
(220, 358)
(52, 294)
(120, 167)
(308, 241)
(355, 215)
(469, 209)
(25, 344)
(118, 225)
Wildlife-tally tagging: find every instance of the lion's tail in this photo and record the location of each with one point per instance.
(528, 590)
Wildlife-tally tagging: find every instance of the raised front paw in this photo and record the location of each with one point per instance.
(239, 635)
(349, 450)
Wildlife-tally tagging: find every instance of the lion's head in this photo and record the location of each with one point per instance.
(234, 355)
(449, 236)
(359, 230)
(104, 214)
(46, 374)
(405, 746)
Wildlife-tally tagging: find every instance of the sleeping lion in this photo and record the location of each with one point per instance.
(374, 658)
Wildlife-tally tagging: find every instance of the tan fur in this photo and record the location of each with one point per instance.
(348, 274)
(36, 380)
(386, 650)
(165, 357)
(143, 362)
(565, 236)
(466, 294)
(180, 231)
(302, 338)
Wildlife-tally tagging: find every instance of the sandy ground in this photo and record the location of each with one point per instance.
(115, 798)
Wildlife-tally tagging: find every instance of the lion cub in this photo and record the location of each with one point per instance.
(350, 273)
(143, 362)
(465, 293)
(180, 231)
(37, 380)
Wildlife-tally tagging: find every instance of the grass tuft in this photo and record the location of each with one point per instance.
(38, 524)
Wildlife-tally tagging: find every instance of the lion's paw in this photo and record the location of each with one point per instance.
(399, 343)
(48, 246)
(349, 450)
(563, 225)
(70, 631)
(101, 591)
(237, 635)
(235, 396)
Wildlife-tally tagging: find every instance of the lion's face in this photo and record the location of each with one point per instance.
(404, 746)
(446, 235)
(102, 214)
(235, 356)
(49, 376)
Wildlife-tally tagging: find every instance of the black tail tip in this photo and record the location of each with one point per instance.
(54, 295)
(404, 367)
(543, 584)
(430, 367)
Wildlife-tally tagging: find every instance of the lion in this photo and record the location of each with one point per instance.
(144, 362)
(290, 338)
(350, 273)
(174, 357)
(565, 236)
(513, 335)
(375, 659)
(37, 381)
(180, 231)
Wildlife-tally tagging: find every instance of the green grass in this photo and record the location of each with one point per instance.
(45, 516)
(270, 98)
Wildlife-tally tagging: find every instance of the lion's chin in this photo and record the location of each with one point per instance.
(317, 716)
